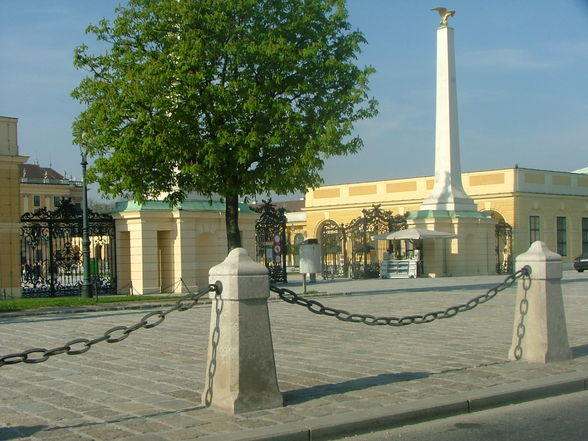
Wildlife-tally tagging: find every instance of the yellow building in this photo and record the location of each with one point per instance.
(44, 187)
(163, 249)
(10, 162)
(486, 217)
(542, 205)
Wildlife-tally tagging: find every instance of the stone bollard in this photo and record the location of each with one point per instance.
(540, 334)
(241, 370)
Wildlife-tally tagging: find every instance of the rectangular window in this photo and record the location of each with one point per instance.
(37, 201)
(56, 201)
(585, 235)
(534, 229)
(562, 241)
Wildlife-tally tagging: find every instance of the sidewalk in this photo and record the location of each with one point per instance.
(336, 377)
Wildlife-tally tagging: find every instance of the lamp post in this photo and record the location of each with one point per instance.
(86, 292)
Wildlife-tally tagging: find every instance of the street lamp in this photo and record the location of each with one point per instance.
(85, 292)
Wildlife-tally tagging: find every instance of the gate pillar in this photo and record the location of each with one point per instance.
(241, 370)
(540, 333)
(145, 271)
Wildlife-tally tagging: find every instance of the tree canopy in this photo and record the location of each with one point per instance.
(221, 97)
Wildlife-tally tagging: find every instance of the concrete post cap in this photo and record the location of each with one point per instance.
(241, 276)
(238, 262)
(544, 263)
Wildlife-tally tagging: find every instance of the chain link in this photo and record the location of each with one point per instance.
(521, 329)
(368, 319)
(113, 335)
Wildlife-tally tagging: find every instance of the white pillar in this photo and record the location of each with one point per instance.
(540, 334)
(448, 192)
(144, 257)
(240, 369)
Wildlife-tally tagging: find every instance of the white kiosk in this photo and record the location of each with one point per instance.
(406, 268)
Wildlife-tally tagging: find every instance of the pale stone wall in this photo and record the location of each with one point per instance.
(471, 253)
(170, 250)
(8, 136)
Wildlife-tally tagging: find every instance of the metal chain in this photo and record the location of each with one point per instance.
(523, 310)
(367, 319)
(113, 335)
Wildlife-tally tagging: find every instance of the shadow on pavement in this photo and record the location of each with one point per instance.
(580, 351)
(569, 281)
(311, 393)
(17, 432)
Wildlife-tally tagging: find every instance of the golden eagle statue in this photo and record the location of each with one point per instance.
(444, 13)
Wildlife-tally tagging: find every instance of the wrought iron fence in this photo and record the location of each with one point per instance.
(51, 252)
(271, 244)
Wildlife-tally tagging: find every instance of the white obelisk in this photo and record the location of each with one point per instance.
(448, 193)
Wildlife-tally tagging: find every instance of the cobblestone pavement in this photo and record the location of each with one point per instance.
(148, 386)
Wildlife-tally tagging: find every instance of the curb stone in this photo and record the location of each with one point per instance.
(325, 292)
(79, 310)
(355, 423)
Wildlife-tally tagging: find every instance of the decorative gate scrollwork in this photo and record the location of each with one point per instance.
(51, 252)
(333, 250)
(270, 236)
(503, 248)
(349, 251)
(366, 253)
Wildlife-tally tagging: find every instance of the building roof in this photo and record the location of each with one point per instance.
(35, 171)
(35, 174)
(127, 206)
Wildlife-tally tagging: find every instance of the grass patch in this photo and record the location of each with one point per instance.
(13, 305)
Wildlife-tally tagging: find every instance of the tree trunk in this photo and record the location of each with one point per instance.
(232, 222)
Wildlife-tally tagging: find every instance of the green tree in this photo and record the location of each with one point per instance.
(221, 97)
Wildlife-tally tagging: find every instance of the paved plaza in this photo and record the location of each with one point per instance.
(148, 386)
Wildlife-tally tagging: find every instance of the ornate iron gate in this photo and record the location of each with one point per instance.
(51, 252)
(366, 253)
(349, 251)
(333, 250)
(270, 236)
(503, 248)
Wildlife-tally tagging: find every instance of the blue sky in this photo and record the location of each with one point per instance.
(522, 83)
